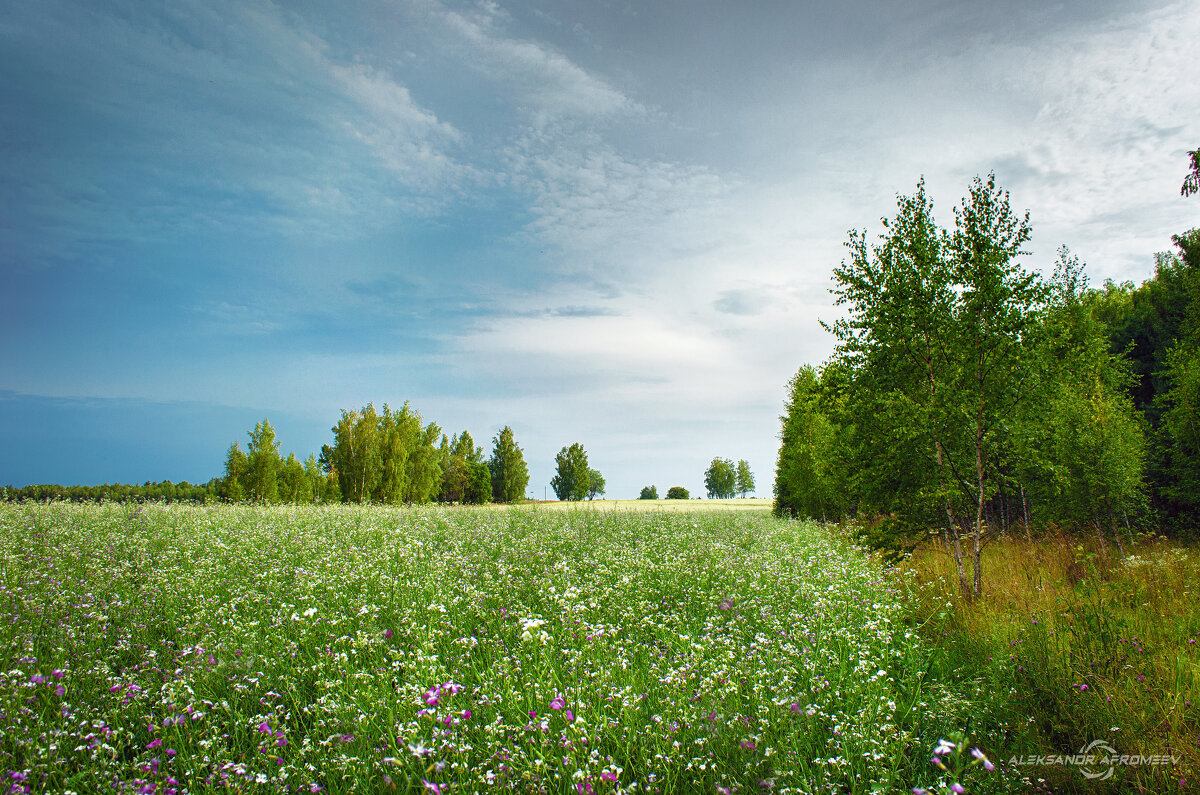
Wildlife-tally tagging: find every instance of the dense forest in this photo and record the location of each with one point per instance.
(970, 397)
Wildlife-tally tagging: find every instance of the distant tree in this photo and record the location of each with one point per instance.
(479, 484)
(509, 473)
(236, 466)
(678, 493)
(1191, 183)
(316, 478)
(595, 484)
(744, 477)
(806, 483)
(649, 493)
(356, 454)
(264, 464)
(572, 481)
(461, 478)
(720, 479)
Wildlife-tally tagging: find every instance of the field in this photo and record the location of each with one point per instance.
(344, 649)
(739, 504)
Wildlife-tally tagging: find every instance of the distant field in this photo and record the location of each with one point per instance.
(746, 504)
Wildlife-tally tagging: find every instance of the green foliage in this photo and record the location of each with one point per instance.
(744, 478)
(263, 464)
(678, 493)
(595, 484)
(236, 467)
(509, 473)
(649, 493)
(806, 483)
(1191, 183)
(720, 479)
(572, 479)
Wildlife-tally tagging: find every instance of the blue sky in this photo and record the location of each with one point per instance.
(604, 222)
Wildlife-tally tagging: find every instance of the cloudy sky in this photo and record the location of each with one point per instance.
(593, 221)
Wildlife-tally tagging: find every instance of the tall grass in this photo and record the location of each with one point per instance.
(343, 649)
(1084, 647)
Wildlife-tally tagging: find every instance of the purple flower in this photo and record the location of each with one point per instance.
(436, 789)
(959, 788)
(607, 776)
(154, 743)
(747, 745)
(387, 634)
(795, 707)
(264, 728)
(558, 703)
(570, 716)
(431, 696)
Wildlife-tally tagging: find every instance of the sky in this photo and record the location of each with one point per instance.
(611, 223)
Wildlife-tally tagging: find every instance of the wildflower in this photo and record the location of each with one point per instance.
(1082, 688)
(959, 788)
(943, 747)
(982, 757)
(419, 750)
(557, 703)
(570, 716)
(795, 708)
(726, 604)
(154, 743)
(436, 789)
(264, 728)
(310, 612)
(608, 776)
(431, 696)
(387, 634)
(747, 745)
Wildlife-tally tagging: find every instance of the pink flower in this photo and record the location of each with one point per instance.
(431, 696)
(557, 703)
(154, 743)
(436, 789)
(387, 634)
(959, 788)
(570, 716)
(795, 707)
(747, 745)
(264, 728)
(607, 776)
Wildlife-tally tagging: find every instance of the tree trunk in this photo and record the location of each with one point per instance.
(1112, 521)
(1100, 533)
(1025, 506)
(977, 588)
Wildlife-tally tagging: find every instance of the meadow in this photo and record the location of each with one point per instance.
(171, 649)
(287, 649)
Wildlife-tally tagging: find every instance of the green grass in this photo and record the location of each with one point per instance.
(347, 649)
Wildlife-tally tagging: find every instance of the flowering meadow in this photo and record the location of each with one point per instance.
(165, 648)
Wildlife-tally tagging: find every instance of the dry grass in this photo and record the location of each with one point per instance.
(1090, 647)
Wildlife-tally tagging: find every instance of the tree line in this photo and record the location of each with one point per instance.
(387, 457)
(164, 491)
(968, 396)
